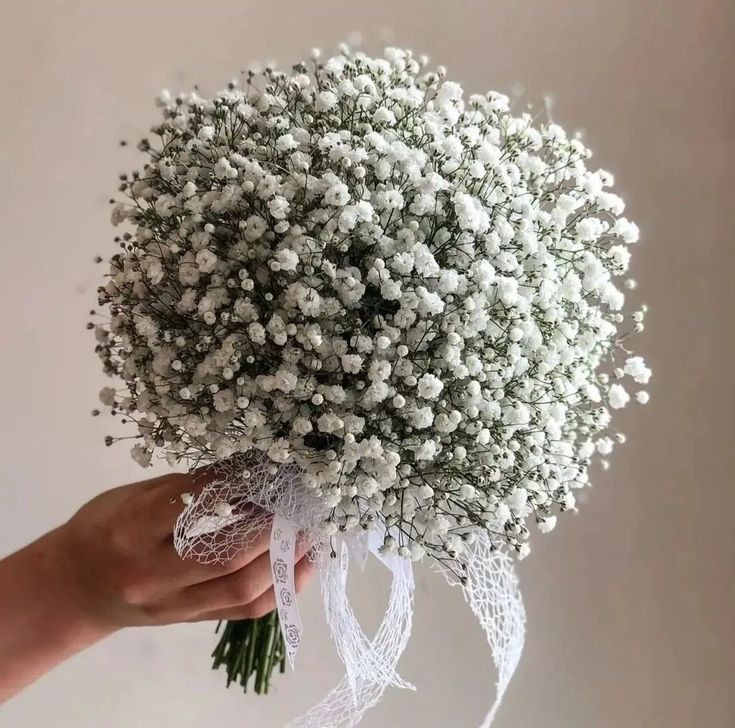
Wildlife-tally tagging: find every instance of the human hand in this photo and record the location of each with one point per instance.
(118, 554)
(113, 565)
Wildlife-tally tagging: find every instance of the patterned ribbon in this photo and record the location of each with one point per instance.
(283, 557)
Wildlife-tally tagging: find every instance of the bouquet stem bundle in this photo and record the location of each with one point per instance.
(251, 648)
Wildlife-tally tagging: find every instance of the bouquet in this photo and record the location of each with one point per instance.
(391, 318)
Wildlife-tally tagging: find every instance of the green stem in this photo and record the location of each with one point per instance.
(250, 648)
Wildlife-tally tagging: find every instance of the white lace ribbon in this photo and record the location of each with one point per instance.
(208, 532)
(495, 599)
(370, 664)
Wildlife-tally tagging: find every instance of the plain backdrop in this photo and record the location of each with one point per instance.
(630, 602)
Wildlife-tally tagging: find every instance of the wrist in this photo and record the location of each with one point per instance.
(66, 591)
(43, 614)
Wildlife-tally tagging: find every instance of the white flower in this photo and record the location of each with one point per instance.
(393, 200)
(285, 143)
(484, 273)
(429, 386)
(287, 259)
(422, 418)
(424, 261)
(223, 400)
(107, 396)
(278, 207)
(605, 446)
(326, 100)
(205, 133)
(477, 169)
(301, 426)
(517, 500)
(385, 116)
(617, 396)
(627, 230)
(348, 219)
(206, 260)
(611, 202)
(141, 455)
(425, 451)
(470, 212)
(507, 290)
(254, 227)
(329, 422)
(391, 290)
(224, 170)
(379, 370)
(338, 195)
(589, 228)
(279, 451)
(306, 298)
(351, 363)
(449, 91)
(636, 368)
(256, 332)
(547, 524)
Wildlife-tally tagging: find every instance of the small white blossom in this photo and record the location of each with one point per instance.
(206, 260)
(278, 207)
(338, 195)
(351, 363)
(141, 455)
(287, 259)
(618, 396)
(636, 368)
(429, 386)
(547, 524)
(107, 396)
(286, 142)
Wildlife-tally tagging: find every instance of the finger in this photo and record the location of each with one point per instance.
(200, 577)
(265, 603)
(239, 587)
(234, 590)
(175, 571)
(147, 511)
(162, 500)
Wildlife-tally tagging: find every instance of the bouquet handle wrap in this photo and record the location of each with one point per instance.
(266, 499)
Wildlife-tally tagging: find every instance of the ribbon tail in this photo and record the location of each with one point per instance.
(283, 554)
(370, 665)
(494, 597)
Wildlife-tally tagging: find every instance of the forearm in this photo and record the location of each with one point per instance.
(42, 618)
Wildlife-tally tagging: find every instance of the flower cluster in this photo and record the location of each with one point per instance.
(409, 294)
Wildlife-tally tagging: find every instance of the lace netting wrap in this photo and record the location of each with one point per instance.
(250, 494)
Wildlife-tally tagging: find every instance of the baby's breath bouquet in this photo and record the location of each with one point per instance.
(391, 317)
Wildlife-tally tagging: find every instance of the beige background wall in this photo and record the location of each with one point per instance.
(631, 602)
